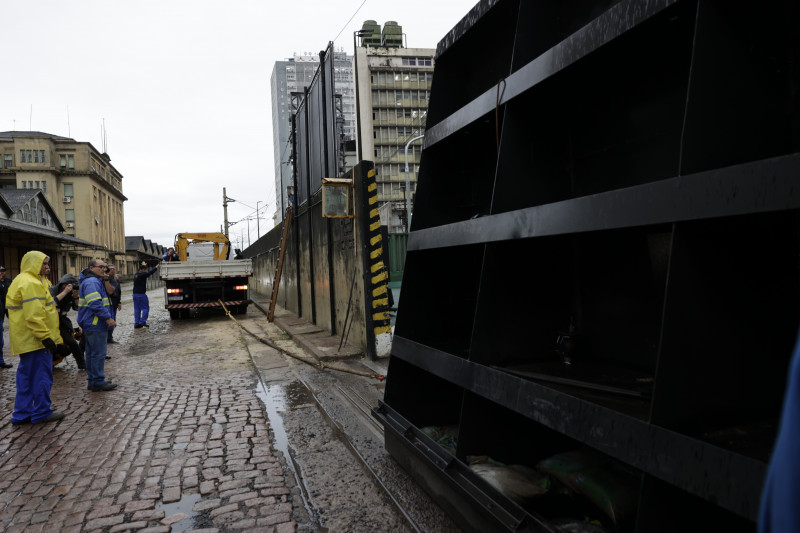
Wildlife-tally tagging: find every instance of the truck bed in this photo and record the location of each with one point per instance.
(206, 269)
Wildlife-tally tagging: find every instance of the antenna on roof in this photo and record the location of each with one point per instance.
(104, 137)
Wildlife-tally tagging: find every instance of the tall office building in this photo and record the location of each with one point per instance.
(289, 79)
(394, 85)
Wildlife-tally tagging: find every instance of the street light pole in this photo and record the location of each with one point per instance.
(408, 186)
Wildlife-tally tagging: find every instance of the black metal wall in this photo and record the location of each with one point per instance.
(624, 175)
(315, 139)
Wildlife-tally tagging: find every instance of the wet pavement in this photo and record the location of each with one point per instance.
(209, 430)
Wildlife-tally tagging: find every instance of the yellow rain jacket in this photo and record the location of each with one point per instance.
(32, 314)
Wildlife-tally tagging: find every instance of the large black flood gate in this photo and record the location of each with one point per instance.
(601, 289)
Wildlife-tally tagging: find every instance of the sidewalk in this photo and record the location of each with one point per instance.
(312, 338)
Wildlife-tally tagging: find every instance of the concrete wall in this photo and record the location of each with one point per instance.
(324, 267)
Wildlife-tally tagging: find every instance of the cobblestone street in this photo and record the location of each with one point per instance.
(182, 444)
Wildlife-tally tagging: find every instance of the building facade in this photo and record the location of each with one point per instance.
(28, 222)
(287, 83)
(79, 182)
(394, 86)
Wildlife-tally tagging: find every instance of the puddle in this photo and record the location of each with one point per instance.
(275, 399)
(185, 505)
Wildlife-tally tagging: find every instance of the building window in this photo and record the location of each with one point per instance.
(41, 156)
(9, 161)
(24, 184)
(30, 184)
(44, 187)
(36, 183)
(71, 162)
(68, 190)
(22, 156)
(62, 161)
(69, 215)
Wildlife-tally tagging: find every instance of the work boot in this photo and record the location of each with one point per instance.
(104, 387)
(52, 418)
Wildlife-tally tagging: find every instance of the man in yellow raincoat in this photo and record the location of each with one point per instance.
(33, 332)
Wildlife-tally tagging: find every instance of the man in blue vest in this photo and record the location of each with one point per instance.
(94, 317)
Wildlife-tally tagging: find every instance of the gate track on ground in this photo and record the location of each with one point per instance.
(353, 398)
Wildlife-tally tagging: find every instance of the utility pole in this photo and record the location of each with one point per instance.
(258, 222)
(225, 201)
(225, 209)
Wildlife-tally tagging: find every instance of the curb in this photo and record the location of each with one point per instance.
(303, 341)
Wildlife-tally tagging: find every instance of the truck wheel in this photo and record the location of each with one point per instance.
(175, 314)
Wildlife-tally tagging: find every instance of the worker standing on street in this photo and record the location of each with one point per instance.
(33, 334)
(5, 283)
(94, 317)
(66, 295)
(141, 305)
(115, 295)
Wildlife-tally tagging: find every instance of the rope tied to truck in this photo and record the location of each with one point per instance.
(308, 360)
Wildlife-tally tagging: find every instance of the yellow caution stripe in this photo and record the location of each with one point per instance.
(380, 290)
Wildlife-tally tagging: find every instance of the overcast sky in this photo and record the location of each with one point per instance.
(183, 89)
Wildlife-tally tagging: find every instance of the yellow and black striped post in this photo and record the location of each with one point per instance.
(378, 273)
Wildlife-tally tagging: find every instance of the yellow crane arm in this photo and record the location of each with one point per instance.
(183, 240)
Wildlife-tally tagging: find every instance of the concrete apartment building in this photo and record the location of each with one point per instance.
(394, 86)
(287, 83)
(81, 186)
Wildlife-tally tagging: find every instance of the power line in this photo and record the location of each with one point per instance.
(351, 18)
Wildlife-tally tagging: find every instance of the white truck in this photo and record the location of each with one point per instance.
(204, 283)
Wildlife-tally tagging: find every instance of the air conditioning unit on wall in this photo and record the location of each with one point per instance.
(67, 199)
(69, 224)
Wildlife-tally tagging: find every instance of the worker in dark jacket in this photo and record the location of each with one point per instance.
(141, 305)
(5, 283)
(66, 295)
(115, 296)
